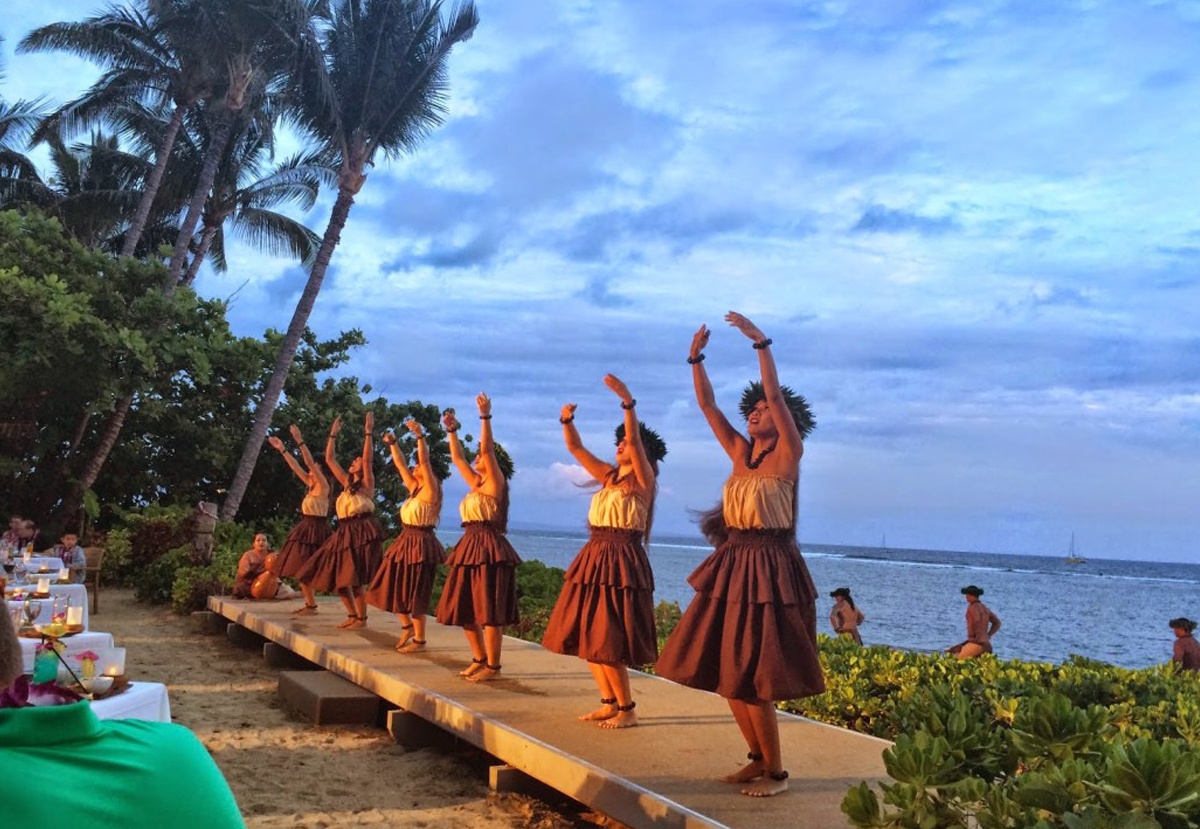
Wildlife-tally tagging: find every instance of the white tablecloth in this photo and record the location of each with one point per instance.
(76, 593)
(86, 641)
(45, 565)
(140, 701)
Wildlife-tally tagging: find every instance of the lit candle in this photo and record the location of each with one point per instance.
(75, 615)
(113, 660)
(44, 584)
(64, 574)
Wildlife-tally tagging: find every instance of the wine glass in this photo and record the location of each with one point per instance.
(33, 609)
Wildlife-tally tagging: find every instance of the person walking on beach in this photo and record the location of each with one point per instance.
(845, 617)
(982, 625)
(605, 613)
(480, 595)
(403, 584)
(313, 529)
(750, 632)
(349, 558)
(1186, 654)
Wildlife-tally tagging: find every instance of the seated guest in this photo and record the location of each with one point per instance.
(131, 774)
(29, 537)
(254, 577)
(13, 534)
(72, 556)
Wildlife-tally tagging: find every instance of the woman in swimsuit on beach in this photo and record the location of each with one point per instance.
(313, 530)
(749, 633)
(404, 582)
(480, 595)
(346, 562)
(605, 613)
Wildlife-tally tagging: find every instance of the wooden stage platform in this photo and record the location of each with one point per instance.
(661, 774)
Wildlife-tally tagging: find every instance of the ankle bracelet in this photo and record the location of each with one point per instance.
(778, 775)
(608, 700)
(754, 755)
(628, 707)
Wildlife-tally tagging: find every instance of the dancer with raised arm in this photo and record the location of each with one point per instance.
(480, 595)
(346, 562)
(750, 632)
(605, 613)
(404, 583)
(313, 530)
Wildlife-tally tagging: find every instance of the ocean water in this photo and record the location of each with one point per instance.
(1115, 611)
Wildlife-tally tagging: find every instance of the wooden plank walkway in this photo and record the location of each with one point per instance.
(660, 774)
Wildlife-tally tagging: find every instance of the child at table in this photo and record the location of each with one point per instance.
(72, 556)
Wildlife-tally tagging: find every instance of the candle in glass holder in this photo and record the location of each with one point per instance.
(75, 615)
(43, 584)
(64, 574)
(112, 662)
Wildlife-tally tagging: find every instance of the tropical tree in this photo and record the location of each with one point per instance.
(156, 59)
(245, 191)
(380, 88)
(262, 44)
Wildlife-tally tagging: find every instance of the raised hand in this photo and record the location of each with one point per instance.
(388, 439)
(276, 443)
(296, 434)
(568, 411)
(369, 422)
(449, 421)
(745, 326)
(699, 342)
(336, 427)
(413, 426)
(618, 388)
(484, 403)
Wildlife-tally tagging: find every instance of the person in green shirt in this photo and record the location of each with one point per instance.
(79, 770)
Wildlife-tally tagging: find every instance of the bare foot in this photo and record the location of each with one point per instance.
(605, 712)
(471, 670)
(405, 637)
(485, 674)
(623, 719)
(751, 771)
(412, 646)
(355, 624)
(768, 786)
(350, 620)
(306, 610)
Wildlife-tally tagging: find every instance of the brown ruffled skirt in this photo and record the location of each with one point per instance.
(348, 558)
(750, 633)
(481, 587)
(605, 612)
(404, 582)
(302, 542)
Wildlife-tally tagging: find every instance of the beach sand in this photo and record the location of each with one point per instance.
(287, 772)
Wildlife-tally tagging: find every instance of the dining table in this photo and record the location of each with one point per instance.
(76, 595)
(140, 701)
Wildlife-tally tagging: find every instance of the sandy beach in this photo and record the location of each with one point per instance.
(286, 771)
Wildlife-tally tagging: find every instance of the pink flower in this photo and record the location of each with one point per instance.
(92, 655)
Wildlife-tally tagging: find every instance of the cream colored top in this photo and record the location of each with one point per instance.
(758, 502)
(417, 513)
(350, 504)
(317, 505)
(618, 506)
(478, 506)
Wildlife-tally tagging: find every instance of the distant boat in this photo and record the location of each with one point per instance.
(1071, 557)
(883, 542)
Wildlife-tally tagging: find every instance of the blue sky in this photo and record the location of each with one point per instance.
(971, 229)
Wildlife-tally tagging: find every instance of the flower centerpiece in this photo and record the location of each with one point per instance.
(87, 663)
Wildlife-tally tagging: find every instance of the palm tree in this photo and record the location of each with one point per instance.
(245, 193)
(381, 88)
(155, 57)
(262, 44)
(18, 121)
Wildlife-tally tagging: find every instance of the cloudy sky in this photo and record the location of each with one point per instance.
(971, 228)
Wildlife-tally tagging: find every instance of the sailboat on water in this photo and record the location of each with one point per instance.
(1071, 557)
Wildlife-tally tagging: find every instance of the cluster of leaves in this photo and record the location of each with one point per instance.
(1081, 745)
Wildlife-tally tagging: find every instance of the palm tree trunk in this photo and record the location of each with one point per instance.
(208, 174)
(91, 472)
(210, 233)
(287, 353)
(137, 225)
